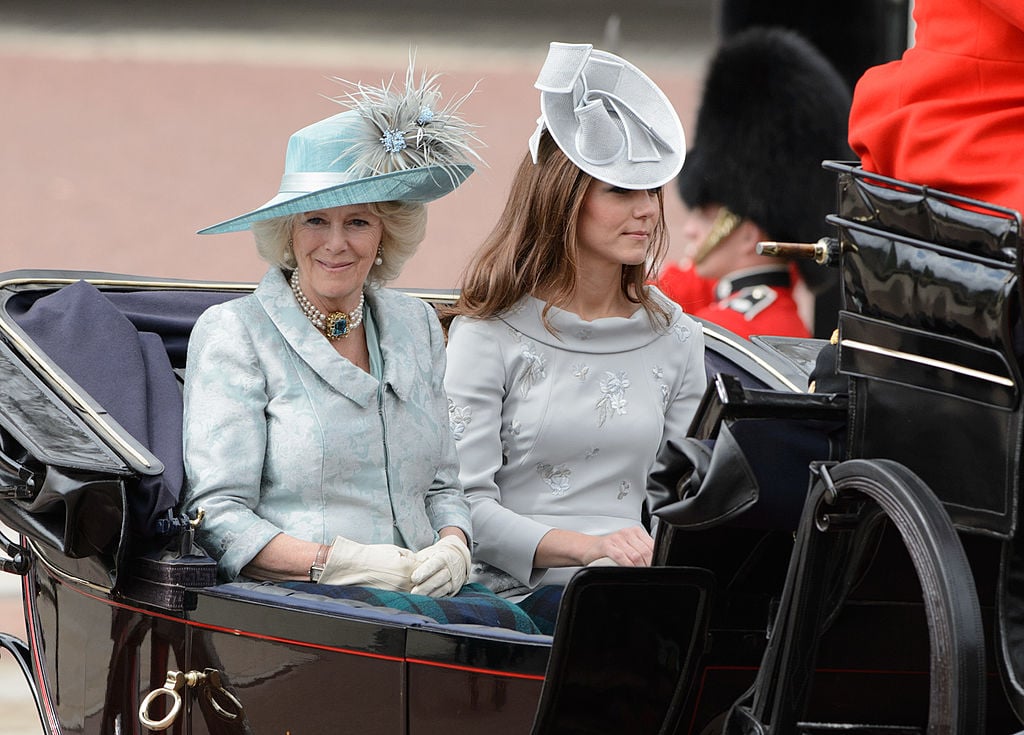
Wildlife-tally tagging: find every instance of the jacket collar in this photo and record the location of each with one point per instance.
(396, 339)
(276, 298)
(776, 276)
(612, 334)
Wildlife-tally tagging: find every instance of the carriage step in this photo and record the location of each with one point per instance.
(822, 728)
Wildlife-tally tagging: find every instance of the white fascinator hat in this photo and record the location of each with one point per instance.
(608, 117)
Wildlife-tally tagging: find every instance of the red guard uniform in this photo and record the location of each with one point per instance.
(686, 288)
(754, 301)
(950, 113)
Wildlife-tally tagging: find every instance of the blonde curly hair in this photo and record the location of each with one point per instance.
(404, 227)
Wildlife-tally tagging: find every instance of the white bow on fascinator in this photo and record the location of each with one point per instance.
(608, 117)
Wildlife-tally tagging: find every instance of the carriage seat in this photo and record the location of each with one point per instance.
(127, 354)
(269, 593)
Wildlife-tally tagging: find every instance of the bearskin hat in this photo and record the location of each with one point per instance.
(852, 35)
(773, 108)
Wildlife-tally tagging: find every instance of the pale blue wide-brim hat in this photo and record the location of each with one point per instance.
(393, 145)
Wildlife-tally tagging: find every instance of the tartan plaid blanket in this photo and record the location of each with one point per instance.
(542, 607)
(474, 605)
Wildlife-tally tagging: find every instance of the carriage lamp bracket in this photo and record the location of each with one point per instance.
(16, 480)
(209, 685)
(829, 513)
(17, 557)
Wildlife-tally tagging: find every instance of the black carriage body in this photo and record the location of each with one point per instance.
(897, 609)
(122, 609)
(108, 625)
(291, 667)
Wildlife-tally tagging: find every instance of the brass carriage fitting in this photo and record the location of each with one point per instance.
(825, 251)
(208, 682)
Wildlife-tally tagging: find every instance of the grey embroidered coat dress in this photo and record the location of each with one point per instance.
(283, 435)
(561, 430)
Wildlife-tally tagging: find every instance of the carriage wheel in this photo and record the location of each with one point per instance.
(842, 499)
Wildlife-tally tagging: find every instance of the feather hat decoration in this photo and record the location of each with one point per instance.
(407, 128)
(392, 144)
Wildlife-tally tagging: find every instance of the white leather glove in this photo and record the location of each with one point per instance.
(441, 569)
(384, 566)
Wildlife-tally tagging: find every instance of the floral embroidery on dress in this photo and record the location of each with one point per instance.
(584, 333)
(591, 453)
(579, 371)
(509, 436)
(681, 331)
(514, 429)
(558, 478)
(659, 377)
(613, 396)
(534, 368)
(459, 418)
(623, 489)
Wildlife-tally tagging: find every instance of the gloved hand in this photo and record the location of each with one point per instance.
(384, 566)
(441, 569)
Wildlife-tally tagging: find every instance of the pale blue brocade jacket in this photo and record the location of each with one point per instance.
(284, 435)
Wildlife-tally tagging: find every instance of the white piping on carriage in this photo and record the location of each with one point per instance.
(737, 346)
(133, 283)
(929, 361)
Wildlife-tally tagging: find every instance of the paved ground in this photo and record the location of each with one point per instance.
(123, 132)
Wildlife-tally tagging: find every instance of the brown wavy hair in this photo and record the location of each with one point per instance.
(533, 247)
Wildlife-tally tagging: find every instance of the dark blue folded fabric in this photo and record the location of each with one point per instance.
(128, 373)
(119, 347)
(474, 605)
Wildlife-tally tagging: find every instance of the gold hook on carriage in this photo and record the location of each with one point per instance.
(209, 684)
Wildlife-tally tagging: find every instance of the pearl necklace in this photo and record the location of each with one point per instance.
(335, 325)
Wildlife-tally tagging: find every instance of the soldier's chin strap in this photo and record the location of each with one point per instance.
(724, 224)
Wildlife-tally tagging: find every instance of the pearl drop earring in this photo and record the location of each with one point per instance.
(380, 255)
